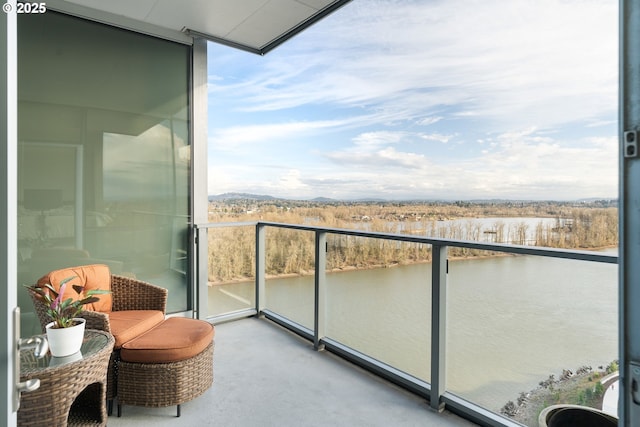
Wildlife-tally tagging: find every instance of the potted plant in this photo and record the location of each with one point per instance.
(66, 330)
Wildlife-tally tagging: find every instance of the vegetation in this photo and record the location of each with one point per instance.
(584, 387)
(232, 249)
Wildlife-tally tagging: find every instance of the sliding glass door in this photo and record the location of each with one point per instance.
(104, 154)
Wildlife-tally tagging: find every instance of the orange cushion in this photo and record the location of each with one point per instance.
(177, 338)
(96, 276)
(128, 324)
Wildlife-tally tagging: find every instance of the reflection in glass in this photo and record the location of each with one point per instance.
(103, 154)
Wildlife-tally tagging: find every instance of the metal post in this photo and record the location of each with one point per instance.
(8, 210)
(320, 289)
(438, 325)
(629, 210)
(261, 260)
(199, 192)
(201, 272)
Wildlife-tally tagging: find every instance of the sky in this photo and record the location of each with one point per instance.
(418, 99)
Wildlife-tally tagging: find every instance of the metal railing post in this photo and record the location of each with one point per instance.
(438, 325)
(261, 268)
(320, 289)
(629, 198)
(201, 269)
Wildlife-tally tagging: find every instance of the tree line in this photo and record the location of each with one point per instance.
(232, 249)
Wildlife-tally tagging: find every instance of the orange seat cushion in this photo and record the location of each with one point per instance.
(95, 276)
(175, 339)
(128, 324)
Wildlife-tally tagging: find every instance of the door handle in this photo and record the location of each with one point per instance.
(40, 347)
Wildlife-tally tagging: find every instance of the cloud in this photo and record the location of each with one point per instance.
(429, 120)
(485, 58)
(246, 134)
(291, 181)
(378, 138)
(384, 158)
(437, 137)
(441, 99)
(518, 164)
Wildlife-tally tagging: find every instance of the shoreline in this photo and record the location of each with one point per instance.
(570, 388)
(369, 267)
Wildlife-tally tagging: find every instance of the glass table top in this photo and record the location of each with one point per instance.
(93, 342)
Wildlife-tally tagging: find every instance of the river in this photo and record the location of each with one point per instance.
(511, 321)
(491, 229)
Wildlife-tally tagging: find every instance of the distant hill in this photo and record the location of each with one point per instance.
(265, 197)
(245, 196)
(324, 200)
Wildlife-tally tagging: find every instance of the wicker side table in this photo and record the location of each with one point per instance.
(72, 389)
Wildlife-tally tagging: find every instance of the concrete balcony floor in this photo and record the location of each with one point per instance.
(267, 376)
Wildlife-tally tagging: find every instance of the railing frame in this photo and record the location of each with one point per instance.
(320, 290)
(438, 326)
(629, 198)
(435, 391)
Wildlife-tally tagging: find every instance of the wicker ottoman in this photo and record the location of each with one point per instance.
(168, 365)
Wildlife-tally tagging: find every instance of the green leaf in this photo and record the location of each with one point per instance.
(90, 300)
(63, 281)
(98, 291)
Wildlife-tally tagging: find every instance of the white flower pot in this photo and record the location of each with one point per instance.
(65, 341)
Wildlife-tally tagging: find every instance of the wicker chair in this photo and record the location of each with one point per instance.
(129, 296)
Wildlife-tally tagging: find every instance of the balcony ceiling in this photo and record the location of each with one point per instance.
(254, 25)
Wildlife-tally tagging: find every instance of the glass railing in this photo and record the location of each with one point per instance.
(381, 307)
(516, 321)
(470, 326)
(230, 269)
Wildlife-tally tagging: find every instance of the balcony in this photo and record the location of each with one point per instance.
(266, 376)
(466, 335)
(462, 337)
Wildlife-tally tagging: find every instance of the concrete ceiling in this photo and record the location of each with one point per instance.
(253, 25)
